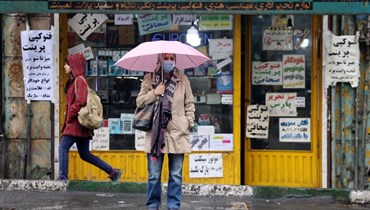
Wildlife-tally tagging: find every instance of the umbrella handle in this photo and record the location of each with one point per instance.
(161, 67)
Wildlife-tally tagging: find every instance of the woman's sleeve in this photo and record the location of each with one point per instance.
(146, 94)
(81, 98)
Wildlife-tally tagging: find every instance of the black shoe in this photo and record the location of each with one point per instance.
(116, 175)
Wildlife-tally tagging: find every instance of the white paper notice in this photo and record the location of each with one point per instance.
(206, 129)
(205, 165)
(257, 121)
(101, 139)
(139, 140)
(342, 58)
(183, 19)
(267, 73)
(150, 23)
(199, 142)
(294, 71)
(123, 19)
(84, 24)
(220, 46)
(277, 38)
(294, 130)
(221, 142)
(281, 104)
(38, 64)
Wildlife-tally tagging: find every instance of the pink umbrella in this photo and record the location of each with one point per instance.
(144, 57)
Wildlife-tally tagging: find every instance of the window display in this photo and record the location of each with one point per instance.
(281, 83)
(118, 88)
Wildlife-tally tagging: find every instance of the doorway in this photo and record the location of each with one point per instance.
(282, 101)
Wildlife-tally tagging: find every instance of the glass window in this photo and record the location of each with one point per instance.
(285, 41)
(118, 88)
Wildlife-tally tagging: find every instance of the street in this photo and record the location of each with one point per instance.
(49, 200)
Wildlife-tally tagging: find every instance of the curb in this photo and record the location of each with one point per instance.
(342, 195)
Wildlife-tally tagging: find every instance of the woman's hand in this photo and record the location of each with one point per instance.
(159, 90)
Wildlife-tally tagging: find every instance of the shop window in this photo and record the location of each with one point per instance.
(281, 80)
(211, 83)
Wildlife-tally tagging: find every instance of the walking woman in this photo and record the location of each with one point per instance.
(72, 132)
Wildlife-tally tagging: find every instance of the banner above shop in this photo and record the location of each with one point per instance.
(182, 6)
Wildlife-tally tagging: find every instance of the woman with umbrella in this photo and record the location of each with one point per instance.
(173, 119)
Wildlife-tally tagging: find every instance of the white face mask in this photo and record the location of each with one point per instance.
(168, 66)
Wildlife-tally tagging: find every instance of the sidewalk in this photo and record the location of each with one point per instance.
(343, 195)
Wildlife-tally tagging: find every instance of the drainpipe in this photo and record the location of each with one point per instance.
(2, 135)
(28, 152)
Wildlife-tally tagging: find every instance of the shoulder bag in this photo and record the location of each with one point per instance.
(143, 117)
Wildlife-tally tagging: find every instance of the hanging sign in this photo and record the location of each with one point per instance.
(84, 24)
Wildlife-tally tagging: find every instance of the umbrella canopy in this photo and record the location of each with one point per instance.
(144, 57)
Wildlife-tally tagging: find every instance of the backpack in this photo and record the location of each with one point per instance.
(91, 115)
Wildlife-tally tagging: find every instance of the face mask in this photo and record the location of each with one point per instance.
(168, 66)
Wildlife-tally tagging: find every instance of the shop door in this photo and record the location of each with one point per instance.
(282, 75)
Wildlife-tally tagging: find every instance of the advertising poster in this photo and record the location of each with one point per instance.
(342, 58)
(38, 64)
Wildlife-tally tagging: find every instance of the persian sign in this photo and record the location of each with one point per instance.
(277, 38)
(139, 140)
(294, 130)
(150, 23)
(101, 139)
(281, 104)
(84, 24)
(294, 71)
(215, 22)
(199, 142)
(257, 122)
(221, 142)
(38, 64)
(205, 165)
(342, 56)
(267, 73)
(181, 6)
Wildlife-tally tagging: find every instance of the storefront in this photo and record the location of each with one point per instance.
(214, 85)
(259, 110)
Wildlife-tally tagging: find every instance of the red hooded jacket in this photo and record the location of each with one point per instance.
(76, 98)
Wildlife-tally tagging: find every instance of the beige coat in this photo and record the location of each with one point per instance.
(177, 134)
